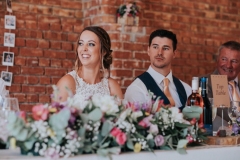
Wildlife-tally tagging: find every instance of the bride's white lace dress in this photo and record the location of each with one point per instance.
(84, 90)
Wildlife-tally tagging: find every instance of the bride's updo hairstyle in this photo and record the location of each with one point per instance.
(106, 52)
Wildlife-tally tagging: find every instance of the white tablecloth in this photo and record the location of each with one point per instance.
(193, 153)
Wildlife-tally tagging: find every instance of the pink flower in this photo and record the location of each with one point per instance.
(146, 121)
(115, 131)
(159, 140)
(143, 124)
(40, 112)
(22, 115)
(193, 121)
(121, 138)
(189, 138)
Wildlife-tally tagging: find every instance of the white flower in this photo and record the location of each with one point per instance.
(165, 115)
(176, 116)
(127, 125)
(106, 103)
(78, 102)
(123, 115)
(153, 129)
(136, 114)
(149, 136)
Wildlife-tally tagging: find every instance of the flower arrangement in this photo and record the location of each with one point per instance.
(236, 126)
(101, 126)
(130, 9)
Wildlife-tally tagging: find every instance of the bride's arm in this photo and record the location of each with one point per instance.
(115, 89)
(65, 82)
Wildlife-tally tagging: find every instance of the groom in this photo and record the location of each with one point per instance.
(158, 78)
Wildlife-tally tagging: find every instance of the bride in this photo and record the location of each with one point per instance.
(92, 67)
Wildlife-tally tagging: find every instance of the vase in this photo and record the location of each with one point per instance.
(129, 20)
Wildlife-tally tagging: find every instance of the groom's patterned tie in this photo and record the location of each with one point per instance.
(167, 92)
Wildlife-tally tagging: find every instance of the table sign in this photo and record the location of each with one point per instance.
(220, 90)
(221, 101)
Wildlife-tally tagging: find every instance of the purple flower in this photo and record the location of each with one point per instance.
(235, 128)
(147, 120)
(159, 140)
(238, 119)
(145, 107)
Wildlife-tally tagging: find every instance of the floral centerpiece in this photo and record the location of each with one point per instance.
(100, 125)
(128, 14)
(236, 126)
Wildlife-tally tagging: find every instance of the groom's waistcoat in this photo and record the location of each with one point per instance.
(151, 85)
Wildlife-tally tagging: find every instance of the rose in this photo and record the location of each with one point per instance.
(22, 114)
(159, 140)
(189, 138)
(143, 124)
(121, 138)
(40, 112)
(148, 119)
(153, 129)
(115, 131)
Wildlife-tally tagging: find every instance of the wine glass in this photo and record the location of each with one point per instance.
(234, 111)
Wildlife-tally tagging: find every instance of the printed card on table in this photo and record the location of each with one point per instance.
(220, 90)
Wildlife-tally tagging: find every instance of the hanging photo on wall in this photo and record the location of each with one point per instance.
(10, 22)
(9, 5)
(9, 39)
(7, 77)
(8, 58)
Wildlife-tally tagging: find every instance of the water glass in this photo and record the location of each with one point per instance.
(214, 109)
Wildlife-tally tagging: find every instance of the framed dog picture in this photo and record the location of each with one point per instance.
(9, 5)
(9, 39)
(8, 58)
(10, 22)
(7, 77)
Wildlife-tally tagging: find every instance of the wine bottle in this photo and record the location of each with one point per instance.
(207, 109)
(195, 99)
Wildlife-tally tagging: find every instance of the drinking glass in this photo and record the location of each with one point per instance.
(234, 110)
(214, 109)
(10, 104)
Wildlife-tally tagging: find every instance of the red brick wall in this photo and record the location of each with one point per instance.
(48, 29)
